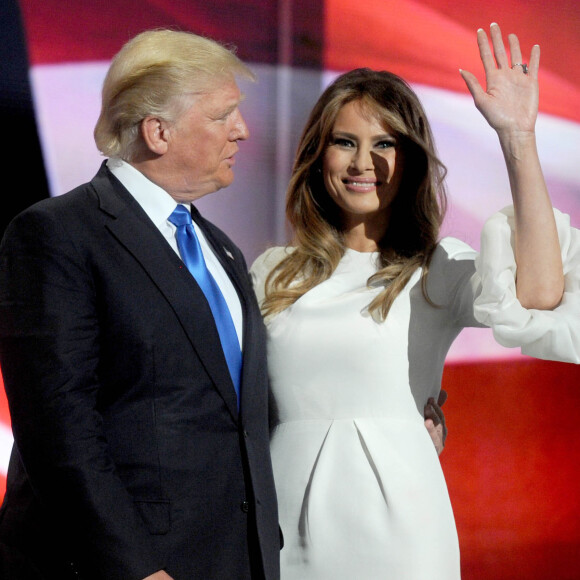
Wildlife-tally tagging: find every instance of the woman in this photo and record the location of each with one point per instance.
(364, 306)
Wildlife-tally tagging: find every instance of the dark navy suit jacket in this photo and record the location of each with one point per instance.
(130, 454)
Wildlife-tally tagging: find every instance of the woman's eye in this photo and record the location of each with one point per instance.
(342, 142)
(386, 144)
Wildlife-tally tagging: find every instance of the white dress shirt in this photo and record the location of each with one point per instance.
(159, 205)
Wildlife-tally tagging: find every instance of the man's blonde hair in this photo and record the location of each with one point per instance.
(157, 73)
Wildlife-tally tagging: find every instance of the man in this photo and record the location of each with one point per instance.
(134, 457)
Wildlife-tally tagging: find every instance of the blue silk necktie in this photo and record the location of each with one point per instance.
(192, 256)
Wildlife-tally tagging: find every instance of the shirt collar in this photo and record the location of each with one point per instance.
(154, 200)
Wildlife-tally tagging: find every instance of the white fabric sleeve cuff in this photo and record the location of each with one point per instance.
(546, 334)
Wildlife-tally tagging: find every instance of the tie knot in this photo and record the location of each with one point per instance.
(180, 216)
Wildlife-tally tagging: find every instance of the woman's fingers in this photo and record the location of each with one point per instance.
(534, 64)
(499, 50)
(515, 51)
(485, 51)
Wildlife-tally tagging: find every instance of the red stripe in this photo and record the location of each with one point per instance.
(428, 41)
(512, 468)
(425, 41)
(59, 32)
(4, 413)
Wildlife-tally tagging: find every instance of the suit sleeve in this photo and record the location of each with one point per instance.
(49, 349)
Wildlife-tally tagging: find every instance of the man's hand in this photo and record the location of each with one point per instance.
(435, 421)
(161, 575)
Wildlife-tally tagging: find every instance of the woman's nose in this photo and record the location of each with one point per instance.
(362, 160)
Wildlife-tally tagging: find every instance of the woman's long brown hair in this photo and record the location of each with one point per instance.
(416, 212)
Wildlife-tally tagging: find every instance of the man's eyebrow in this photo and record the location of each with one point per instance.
(235, 105)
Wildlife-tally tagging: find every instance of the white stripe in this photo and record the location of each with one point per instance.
(6, 441)
(67, 100)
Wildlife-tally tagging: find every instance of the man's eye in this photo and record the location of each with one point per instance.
(224, 116)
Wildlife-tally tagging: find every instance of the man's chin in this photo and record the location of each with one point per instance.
(217, 187)
(226, 179)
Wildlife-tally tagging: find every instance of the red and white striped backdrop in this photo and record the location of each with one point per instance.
(512, 457)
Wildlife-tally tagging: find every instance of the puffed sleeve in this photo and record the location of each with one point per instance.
(546, 334)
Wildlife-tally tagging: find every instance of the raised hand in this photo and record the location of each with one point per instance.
(509, 102)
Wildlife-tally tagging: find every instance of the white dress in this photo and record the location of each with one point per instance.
(360, 488)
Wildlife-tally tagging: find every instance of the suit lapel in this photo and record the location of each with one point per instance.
(225, 257)
(254, 337)
(135, 231)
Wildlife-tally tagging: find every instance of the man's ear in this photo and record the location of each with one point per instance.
(155, 134)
